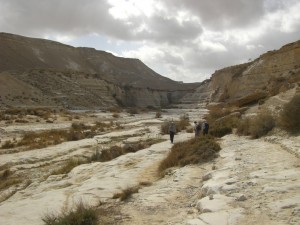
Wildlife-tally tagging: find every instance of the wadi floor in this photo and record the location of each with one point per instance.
(251, 182)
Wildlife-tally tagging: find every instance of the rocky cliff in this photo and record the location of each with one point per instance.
(273, 72)
(37, 72)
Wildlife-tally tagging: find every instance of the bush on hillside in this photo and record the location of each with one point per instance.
(196, 150)
(220, 130)
(257, 126)
(289, 118)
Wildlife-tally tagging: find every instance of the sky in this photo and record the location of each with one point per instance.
(185, 40)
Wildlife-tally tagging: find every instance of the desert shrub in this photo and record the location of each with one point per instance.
(116, 151)
(75, 135)
(217, 113)
(111, 153)
(223, 125)
(115, 115)
(79, 126)
(190, 129)
(132, 111)
(220, 131)
(257, 126)
(183, 123)
(34, 140)
(21, 121)
(289, 118)
(164, 128)
(8, 144)
(196, 150)
(115, 109)
(243, 127)
(126, 193)
(6, 180)
(68, 166)
(5, 174)
(158, 114)
(81, 215)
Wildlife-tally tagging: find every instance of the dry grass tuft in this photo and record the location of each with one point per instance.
(6, 180)
(78, 131)
(222, 120)
(289, 118)
(257, 126)
(196, 150)
(126, 193)
(116, 151)
(68, 166)
(81, 215)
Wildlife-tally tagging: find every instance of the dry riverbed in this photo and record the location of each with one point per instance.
(251, 182)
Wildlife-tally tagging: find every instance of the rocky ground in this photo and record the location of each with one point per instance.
(251, 182)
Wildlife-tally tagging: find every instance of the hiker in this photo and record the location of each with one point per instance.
(172, 131)
(197, 129)
(205, 128)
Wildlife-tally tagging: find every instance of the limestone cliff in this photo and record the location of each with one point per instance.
(271, 73)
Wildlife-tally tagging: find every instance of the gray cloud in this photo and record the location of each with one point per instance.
(187, 39)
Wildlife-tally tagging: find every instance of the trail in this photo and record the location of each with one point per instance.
(255, 182)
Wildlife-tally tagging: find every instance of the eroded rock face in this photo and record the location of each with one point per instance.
(270, 74)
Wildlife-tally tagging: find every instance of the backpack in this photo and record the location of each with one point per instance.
(198, 127)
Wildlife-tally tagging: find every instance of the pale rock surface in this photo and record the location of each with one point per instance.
(262, 187)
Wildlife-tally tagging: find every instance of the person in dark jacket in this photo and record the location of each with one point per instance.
(205, 128)
(197, 129)
(172, 131)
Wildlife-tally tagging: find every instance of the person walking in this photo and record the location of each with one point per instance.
(205, 128)
(172, 131)
(197, 129)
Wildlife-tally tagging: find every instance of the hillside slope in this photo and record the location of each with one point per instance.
(57, 75)
(273, 72)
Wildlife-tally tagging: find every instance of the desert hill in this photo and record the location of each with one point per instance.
(49, 73)
(36, 72)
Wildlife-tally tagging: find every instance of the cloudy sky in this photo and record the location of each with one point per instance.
(185, 40)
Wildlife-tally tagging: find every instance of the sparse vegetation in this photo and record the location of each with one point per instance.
(132, 111)
(6, 180)
(116, 151)
(68, 166)
(81, 215)
(289, 118)
(257, 126)
(158, 114)
(126, 193)
(115, 110)
(222, 120)
(196, 150)
(36, 140)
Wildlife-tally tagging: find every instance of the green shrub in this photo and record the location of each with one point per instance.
(289, 118)
(196, 150)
